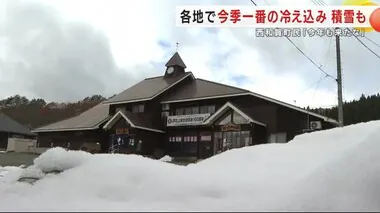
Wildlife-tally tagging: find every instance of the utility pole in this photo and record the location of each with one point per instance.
(339, 81)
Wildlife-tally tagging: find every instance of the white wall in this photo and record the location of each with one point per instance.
(21, 145)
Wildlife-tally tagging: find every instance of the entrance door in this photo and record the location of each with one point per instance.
(205, 149)
(205, 146)
(229, 140)
(118, 142)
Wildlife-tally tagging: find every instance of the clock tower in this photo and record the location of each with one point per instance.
(175, 66)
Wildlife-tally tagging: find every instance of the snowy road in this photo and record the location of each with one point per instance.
(16, 159)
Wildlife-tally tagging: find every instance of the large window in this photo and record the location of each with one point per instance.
(207, 109)
(210, 109)
(164, 114)
(195, 110)
(229, 140)
(179, 111)
(138, 108)
(239, 119)
(183, 144)
(165, 107)
(188, 111)
(278, 138)
(225, 119)
(233, 117)
(175, 139)
(119, 109)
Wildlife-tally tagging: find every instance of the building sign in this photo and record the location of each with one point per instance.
(230, 127)
(122, 131)
(186, 120)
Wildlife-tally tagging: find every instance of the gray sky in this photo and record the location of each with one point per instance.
(66, 50)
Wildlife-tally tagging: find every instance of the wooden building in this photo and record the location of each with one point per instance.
(180, 115)
(10, 128)
(77, 132)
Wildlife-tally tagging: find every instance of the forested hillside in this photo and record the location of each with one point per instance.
(36, 112)
(366, 108)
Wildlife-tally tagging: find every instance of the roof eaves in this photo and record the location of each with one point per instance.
(96, 126)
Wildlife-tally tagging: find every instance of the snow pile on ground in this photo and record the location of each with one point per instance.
(334, 170)
(32, 172)
(59, 159)
(10, 173)
(166, 158)
(6, 169)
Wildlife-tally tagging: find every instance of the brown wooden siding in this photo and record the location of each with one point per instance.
(196, 149)
(263, 111)
(277, 118)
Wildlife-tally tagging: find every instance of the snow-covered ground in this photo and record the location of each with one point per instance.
(334, 170)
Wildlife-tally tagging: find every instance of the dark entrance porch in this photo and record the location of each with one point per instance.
(127, 135)
(124, 143)
(233, 128)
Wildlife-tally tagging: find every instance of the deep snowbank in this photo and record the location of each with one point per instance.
(334, 170)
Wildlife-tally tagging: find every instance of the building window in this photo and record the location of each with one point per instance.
(207, 109)
(119, 109)
(165, 107)
(179, 111)
(206, 138)
(203, 109)
(194, 110)
(190, 139)
(277, 138)
(210, 109)
(225, 119)
(164, 114)
(281, 137)
(138, 108)
(229, 140)
(239, 119)
(188, 111)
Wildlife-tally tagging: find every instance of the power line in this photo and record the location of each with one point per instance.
(253, 3)
(357, 38)
(318, 83)
(372, 41)
(319, 67)
(316, 2)
(302, 52)
(373, 52)
(315, 83)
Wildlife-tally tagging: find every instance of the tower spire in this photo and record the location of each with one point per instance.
(175, 60)
(176, 48)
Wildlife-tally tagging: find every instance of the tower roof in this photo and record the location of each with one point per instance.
(175, 60)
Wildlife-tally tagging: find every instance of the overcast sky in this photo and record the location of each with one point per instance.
(63, 50)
